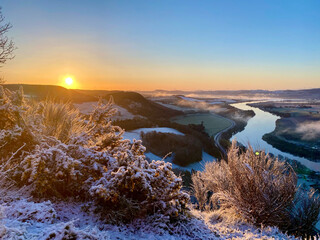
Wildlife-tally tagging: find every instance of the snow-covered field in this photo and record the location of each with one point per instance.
(24, 218)
(122, 113)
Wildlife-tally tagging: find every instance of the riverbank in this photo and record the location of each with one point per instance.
(296, 131)
(262, 123)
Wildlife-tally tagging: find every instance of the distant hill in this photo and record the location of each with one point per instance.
(292, 94)
(136, 103)
(54, 92)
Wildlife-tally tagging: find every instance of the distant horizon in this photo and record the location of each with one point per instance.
(175, 90)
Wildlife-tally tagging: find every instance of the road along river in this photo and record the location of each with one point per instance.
(262, 123)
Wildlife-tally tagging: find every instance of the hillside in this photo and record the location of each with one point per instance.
(136, 103)
(41, 92)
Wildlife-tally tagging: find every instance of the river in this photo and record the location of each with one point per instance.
(262, 123)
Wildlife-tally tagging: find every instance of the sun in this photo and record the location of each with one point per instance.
(69, 81)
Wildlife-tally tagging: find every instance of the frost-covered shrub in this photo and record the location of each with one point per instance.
(50, 170)
(304, 213)
(260, 190)
(14, 133)
(257, 187)
(199, 189)
(147, 187)
(59, 153)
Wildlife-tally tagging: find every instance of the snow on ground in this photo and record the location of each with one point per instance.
(135, 134)
(87, 108)
(27, 219)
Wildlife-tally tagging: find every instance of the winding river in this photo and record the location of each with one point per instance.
(260, 124)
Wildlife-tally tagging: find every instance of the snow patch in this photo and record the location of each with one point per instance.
(122, 113)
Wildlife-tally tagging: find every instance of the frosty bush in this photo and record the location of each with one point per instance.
(258, 189)
(199, 189)
(52, 148)
(304, 213)
(132, 181)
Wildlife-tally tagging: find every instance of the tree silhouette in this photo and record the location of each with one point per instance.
(6, 45)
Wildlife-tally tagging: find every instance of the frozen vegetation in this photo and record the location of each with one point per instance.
(66, 176)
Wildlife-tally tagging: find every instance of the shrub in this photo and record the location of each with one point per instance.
(59, 153)
(132, 181)
(256, 187)
(304, 213)
(60, 120)
(260, 190)
(199, 189)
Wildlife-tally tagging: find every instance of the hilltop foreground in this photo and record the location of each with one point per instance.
(25, 218)
(69, 176)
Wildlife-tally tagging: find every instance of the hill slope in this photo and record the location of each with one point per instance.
(136, 103)
(52, 91)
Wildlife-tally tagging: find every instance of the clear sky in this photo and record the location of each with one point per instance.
(166, 44)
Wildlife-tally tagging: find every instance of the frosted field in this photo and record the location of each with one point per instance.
(122, 114)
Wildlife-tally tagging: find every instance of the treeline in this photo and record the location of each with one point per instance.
(194, 130)
(186, 149)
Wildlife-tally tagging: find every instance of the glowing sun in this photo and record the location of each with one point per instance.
(68, 81)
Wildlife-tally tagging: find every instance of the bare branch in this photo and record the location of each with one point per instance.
(6, 45)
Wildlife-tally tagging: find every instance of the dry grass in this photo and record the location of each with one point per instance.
(199, 189)
(60, 120)
(260, 190)
(256, 187)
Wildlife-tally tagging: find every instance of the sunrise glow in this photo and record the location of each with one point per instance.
(69, 81)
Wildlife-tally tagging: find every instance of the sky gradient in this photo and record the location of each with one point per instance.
(167, 44)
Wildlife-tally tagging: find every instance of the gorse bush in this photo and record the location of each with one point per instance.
(258, 189)
(53, 149)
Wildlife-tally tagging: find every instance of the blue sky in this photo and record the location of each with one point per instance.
(166, 44)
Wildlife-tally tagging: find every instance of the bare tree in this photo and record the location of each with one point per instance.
(6, 45)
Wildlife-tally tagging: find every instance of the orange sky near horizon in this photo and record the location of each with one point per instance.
(96, 75)
(53, 61)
